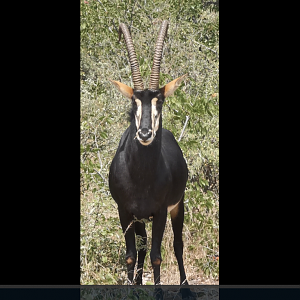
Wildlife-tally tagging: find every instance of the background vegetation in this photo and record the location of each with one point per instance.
(191, 46)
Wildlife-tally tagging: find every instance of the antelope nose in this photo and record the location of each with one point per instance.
(145, 134)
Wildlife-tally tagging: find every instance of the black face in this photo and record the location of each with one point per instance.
(147, 107)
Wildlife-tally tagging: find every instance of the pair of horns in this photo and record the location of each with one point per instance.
(136, 75)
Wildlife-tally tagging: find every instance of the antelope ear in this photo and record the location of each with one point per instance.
(123, 88)
(171, 87)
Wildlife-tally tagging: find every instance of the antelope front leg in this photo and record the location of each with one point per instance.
(158, 227)
(131, 253)
(141, 231)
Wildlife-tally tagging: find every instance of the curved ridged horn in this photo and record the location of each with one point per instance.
(136, 75)
(154, 77)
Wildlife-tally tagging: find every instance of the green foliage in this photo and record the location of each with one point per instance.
(191, 46)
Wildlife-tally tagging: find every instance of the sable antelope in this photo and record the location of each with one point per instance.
(148, 174)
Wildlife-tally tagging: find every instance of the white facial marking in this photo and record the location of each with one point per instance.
(138, 114)
(154, 116)
(148, 142)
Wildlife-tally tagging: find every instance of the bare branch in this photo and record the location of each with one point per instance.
(128, 227)
(100, 175)
(102, 5)
(207, 48)
(186, 120)
(100, 161)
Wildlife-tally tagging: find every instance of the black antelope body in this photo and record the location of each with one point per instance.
(148, 174)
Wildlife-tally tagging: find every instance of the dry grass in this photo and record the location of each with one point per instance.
(96, 211)
(193, 251)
